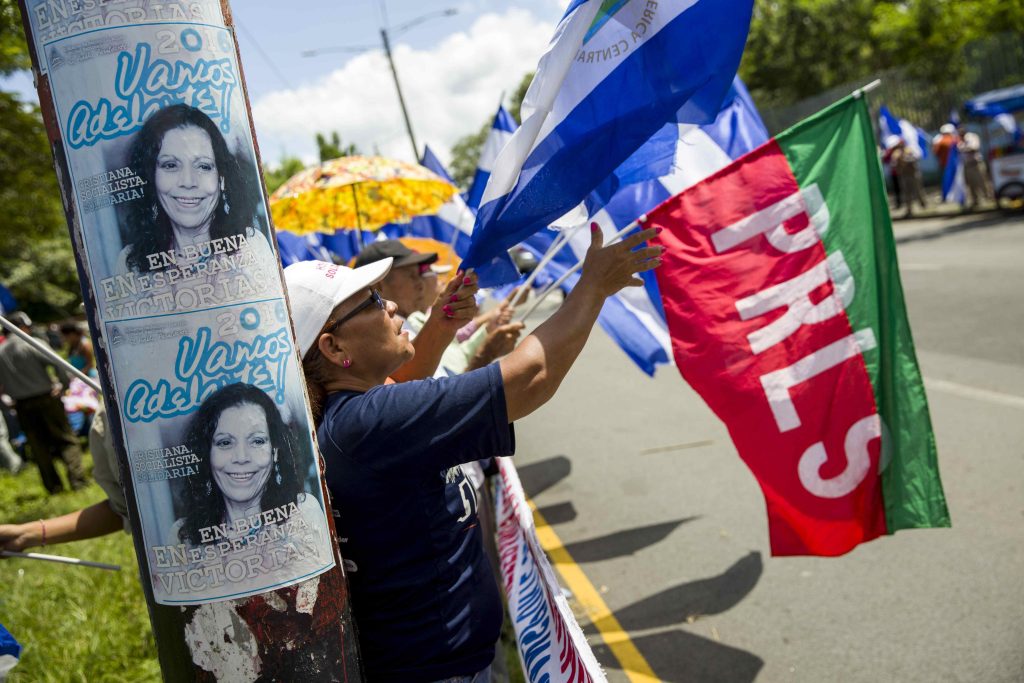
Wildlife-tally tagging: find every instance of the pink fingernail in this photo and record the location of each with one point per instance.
(449, 315)
(594, 227)
(453, 298)
(447, 309)
(467, 281)
(658, 231)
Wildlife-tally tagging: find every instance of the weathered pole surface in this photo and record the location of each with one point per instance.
(238, 562)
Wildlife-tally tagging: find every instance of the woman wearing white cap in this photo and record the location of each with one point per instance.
(423, 594)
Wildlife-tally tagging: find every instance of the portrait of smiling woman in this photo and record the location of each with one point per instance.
(196, 191)
(250, 491)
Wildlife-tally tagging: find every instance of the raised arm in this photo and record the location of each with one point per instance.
(532, 373)
(454, 307)
(95, 520)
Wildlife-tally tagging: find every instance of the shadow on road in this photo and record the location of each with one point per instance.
(990, 220)
(694, 598)
(622, 543)
(539, 476)
(559, 513)
(678, 657)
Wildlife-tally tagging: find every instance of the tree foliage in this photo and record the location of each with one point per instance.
(798, 48)
(36, 260)
(331, 147)
(275, 176)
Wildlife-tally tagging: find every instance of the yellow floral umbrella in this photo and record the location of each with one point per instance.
(357, 193)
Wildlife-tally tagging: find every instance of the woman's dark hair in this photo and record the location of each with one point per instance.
(149, 228)
(204, 503)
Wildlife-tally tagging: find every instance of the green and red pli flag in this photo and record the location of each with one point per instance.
(786, 313)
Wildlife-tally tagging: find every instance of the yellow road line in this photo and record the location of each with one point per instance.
(633, 663)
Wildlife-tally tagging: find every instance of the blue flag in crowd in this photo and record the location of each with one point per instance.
(634, 317)
(614, 74)
(913, 137)
(1007, 122)
(453, 222)
(10, 651)
(294, 248)
(501, 132)
(954, 188)
(7, 301)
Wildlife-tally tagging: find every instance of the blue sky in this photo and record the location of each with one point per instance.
(453, 69)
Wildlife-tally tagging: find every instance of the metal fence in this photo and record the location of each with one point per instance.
(995, 62)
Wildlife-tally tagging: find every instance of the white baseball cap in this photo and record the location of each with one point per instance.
(315, 288)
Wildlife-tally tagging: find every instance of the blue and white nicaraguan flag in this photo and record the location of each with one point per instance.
(913, 137)
(954, 187)
(294, 248)
(678, 155)
(453, 222)
(615, 72)
(501, 132)
(10, 651)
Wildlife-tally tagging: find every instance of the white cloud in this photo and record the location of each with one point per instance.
(449, 90)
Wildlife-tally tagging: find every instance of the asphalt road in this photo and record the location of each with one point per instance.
(643, 486)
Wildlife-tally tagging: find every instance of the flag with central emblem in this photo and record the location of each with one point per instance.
(615, 72)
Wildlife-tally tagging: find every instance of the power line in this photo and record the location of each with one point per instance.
(273, 67)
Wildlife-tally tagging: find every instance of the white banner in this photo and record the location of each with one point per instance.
(189, 296)
(551, 644)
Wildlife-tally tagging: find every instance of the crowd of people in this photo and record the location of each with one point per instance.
(413, 389)
(904, 163)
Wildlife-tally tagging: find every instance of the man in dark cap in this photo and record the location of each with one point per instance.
(24, 376)
(404, 283)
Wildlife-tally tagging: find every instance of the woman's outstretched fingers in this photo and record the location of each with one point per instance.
(638, 238)
(596, 236)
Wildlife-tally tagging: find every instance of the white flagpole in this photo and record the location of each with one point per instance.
(51, 354)
(61, 559)
(565, 276)
(552, 252)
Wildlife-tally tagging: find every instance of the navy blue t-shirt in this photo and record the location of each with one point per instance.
(424, 597)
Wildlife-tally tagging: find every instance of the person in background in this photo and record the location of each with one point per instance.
(969, 149)
(413, 286)
(95, 520)
(889, 146)
(905, 164)
(80, 401)
(943, 144)
(25, 376)
(78, 348)
(423, 595)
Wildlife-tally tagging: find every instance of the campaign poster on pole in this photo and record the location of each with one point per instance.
(188, 293)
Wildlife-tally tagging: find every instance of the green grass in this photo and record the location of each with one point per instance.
(75, 624)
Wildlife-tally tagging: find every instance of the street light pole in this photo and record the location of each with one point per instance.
(401, 99)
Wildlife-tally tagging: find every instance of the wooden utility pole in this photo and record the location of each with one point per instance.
(260, 597)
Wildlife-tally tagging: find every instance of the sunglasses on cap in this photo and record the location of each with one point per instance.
(374, 299)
